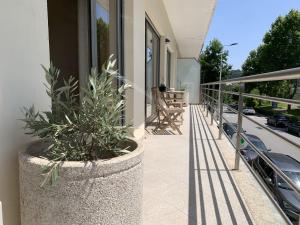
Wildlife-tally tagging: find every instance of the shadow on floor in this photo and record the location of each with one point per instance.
(204, 152)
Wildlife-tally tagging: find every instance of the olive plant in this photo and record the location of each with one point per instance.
(80, 130)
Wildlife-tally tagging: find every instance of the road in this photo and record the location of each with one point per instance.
(273, 142)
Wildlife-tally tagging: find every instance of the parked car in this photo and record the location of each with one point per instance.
(249, 111)
(278, 120)
(247, 150)
(294, 128)
(286, 197)
(233, 106)
(230, 129)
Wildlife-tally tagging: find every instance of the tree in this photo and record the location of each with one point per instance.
(280, 50)
(210, 61)
(102, 42)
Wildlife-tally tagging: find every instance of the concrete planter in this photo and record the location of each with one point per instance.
(106, 192)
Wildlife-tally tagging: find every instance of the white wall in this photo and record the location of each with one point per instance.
(134, 56)
(188, 76)
(23, 47)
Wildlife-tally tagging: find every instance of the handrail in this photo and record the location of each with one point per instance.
(266, 128)
(206, 91)
(289, 74)
(274, 99)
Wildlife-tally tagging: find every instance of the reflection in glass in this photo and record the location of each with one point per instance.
(294, 176)
(152, 67)
(103, 25)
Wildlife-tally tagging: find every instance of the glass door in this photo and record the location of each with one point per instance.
(168, 69)
(152, 68)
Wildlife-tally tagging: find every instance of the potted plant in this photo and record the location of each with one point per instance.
(83, 169)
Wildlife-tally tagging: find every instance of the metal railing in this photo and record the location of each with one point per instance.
(208, 92)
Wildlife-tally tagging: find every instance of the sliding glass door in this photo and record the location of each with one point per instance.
(152, 68)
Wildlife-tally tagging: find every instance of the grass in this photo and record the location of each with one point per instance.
(266, 109)
(297, 96)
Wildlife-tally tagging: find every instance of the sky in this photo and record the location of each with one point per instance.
(245, 22)
(101, 12)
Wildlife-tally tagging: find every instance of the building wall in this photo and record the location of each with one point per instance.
(134, 64)
(23, 48)
(188, 77)
(134, 54)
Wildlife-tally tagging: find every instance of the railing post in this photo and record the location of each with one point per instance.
(212, 106)
(239, 128)
(202, 96)
(207, 100)
(220, 103)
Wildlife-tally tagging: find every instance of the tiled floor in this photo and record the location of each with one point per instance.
(186, 180)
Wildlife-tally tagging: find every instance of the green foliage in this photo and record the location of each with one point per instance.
(280, 50)
(251, 102)
(210, 61)
(89, 130)
(229, 98)
(102, 41)
(266, 109)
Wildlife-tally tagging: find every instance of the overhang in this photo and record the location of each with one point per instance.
(190, 20)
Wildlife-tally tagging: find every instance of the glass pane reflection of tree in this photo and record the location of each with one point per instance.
(102, 16)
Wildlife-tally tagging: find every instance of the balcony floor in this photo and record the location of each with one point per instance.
(187, 180)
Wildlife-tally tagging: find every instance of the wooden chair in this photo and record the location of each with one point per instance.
(167, 116)
(172, 103)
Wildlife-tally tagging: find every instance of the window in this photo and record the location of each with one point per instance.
(152, 52)
(168, 69)
(63, 36)
(85, 35)
(266, 169)
(107, 32)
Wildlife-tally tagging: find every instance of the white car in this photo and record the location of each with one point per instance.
(249, 111)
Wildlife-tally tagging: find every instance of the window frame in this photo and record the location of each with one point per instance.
(169, 68)
(150, 25)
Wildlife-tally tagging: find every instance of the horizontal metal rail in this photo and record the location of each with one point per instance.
(272, 165)
(273, 99)
(289, 74)
(216, 100)
(209, 89)
(259, 180)
(266, 128)
(256, 176)
(231, 92)
(266, 98)
(265, 158)
(273, 132)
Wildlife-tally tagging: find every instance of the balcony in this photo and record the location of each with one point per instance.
(189, 179)
(202, 176)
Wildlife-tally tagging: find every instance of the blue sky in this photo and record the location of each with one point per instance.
(101, 12)
(245, 22)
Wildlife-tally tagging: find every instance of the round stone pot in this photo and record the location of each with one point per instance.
(104, 192)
